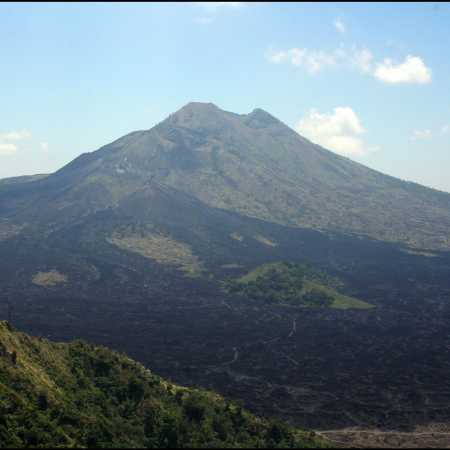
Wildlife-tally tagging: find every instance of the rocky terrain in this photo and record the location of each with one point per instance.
(130, 246)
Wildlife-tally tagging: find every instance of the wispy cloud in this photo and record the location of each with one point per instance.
(421, 135)
(211, 10)
(317, 60)
(7, 149)
(15, 135)
(362, 59)
(413, 70)
(6, 141)
(44, 146)
(427, 133)
(340, 26)
(340, 131)
(313, 60)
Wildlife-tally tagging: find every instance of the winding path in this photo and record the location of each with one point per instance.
(294, 328)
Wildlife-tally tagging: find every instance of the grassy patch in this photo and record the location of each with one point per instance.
(264, 240)
(287, 283)
(162, 249)
(340, 301)
(231, 266)
(49, 279)
(237, 237)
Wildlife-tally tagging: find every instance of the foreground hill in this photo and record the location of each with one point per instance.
(78, 395)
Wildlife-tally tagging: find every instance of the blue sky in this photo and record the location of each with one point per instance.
(371, 81)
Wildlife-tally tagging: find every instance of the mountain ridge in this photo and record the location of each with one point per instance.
(252, 164)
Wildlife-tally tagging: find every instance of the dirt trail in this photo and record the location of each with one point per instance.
(235, 357)
(294, 328)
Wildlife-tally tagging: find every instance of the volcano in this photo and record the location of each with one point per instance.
(132, 246)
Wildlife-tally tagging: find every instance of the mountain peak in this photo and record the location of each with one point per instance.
(209, 116)
(197, 108)
(251, 164)
(259, 118)
(200, 116)
(200, 106)
(260, 111)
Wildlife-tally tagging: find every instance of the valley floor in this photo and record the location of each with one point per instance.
(350, 438)
(385, 368)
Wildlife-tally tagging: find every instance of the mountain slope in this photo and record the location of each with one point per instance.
(78, 395)
(22, 179)
(251, 164)
(128, 247)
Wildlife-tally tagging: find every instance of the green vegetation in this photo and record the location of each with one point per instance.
(339, 301)
(78, 395)
(293, 284)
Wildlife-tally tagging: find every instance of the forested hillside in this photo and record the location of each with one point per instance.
(78, 395)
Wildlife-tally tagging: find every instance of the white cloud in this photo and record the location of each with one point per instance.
(362, 59)
(7, 149)
(15, 135)
(412, 70)
(421, 134)
(445, 129)
(6, 139)
(340, 26)
(340, 131)
(313, 60)
(44, 146)
(316, 60)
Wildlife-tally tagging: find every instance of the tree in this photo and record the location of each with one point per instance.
(194, 407)
(42, 402)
